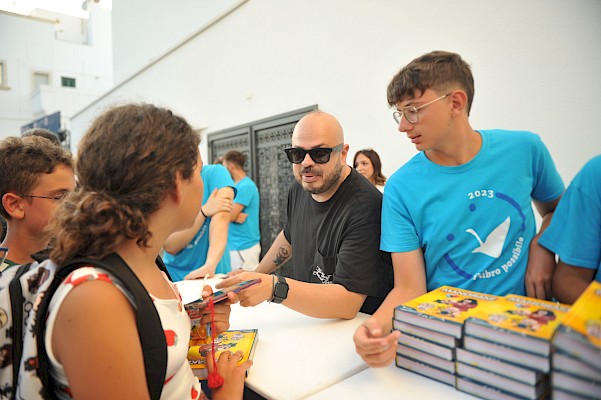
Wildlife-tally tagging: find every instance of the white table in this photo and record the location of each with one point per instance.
(390, 383)
(296, 355)
(299, 357)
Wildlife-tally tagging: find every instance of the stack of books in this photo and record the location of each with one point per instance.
(576, 361)
(507, 348)
(497, 347)
(431, 329)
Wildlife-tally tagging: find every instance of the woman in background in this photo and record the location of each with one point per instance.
(367, 163)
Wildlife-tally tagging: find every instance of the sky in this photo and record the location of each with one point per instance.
(69, 7)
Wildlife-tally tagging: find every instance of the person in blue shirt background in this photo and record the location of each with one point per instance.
(244, 240)
(574, 234)
(201, 249)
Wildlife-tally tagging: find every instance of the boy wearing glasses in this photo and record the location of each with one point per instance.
(332, 233)
(459, 213)
(36, 175)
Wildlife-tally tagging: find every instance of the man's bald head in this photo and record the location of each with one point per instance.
(319, 125)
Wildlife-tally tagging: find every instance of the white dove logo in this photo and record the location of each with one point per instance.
(493, 245)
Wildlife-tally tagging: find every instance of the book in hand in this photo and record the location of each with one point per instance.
(505, 368)
(579, 333)
(443, 310)
(517, 321)
(244, 340)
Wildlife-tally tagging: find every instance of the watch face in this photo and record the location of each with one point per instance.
(281, 290)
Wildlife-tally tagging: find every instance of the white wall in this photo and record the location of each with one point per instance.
(19, 49)
(536, 65)
(29, 44)
(145, 29)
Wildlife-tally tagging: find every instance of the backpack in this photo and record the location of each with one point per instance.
(25, 294)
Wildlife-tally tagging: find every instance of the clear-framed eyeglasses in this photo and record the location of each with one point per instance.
(411, 113)
(57, 197)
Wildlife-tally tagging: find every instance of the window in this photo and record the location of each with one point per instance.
(3, 82)
(67, 82)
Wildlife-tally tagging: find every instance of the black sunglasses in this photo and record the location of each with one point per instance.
(320, 155)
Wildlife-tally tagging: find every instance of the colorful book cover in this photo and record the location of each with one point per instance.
(244, 340)
(518, 321)
(444, 309)
(580, 331)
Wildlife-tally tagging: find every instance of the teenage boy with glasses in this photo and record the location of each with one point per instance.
(332, 233)
(459, 213)
(36, 175)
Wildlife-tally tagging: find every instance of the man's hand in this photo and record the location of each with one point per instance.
(253, 295)
(374, 348)
(539, 274)
(217, 203)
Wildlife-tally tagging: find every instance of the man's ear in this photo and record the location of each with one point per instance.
(344, 152)
(458, 101)
(13, 205)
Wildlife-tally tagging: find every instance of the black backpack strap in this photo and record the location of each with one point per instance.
(150, 329)
(163, 267)
(16, 307)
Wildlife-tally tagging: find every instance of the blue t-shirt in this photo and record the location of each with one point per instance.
(194, 255)
(474, 222)
(245, 235)
(575, 230)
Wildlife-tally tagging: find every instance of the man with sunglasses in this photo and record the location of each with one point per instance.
(332, 233)
(36, 175)
(459, 213)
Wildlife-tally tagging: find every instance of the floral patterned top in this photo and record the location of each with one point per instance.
(180, 382)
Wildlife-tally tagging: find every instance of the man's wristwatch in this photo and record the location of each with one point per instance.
(280, 291)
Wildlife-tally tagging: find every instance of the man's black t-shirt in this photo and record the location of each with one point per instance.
(338, 241)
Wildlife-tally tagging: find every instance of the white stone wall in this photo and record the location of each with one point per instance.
(30, 44)
(536, 65)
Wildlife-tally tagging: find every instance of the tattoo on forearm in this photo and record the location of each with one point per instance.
(282, 256)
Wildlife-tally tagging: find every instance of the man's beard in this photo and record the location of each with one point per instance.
(329, 180)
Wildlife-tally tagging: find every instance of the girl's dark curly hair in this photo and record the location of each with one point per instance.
(126, 165)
